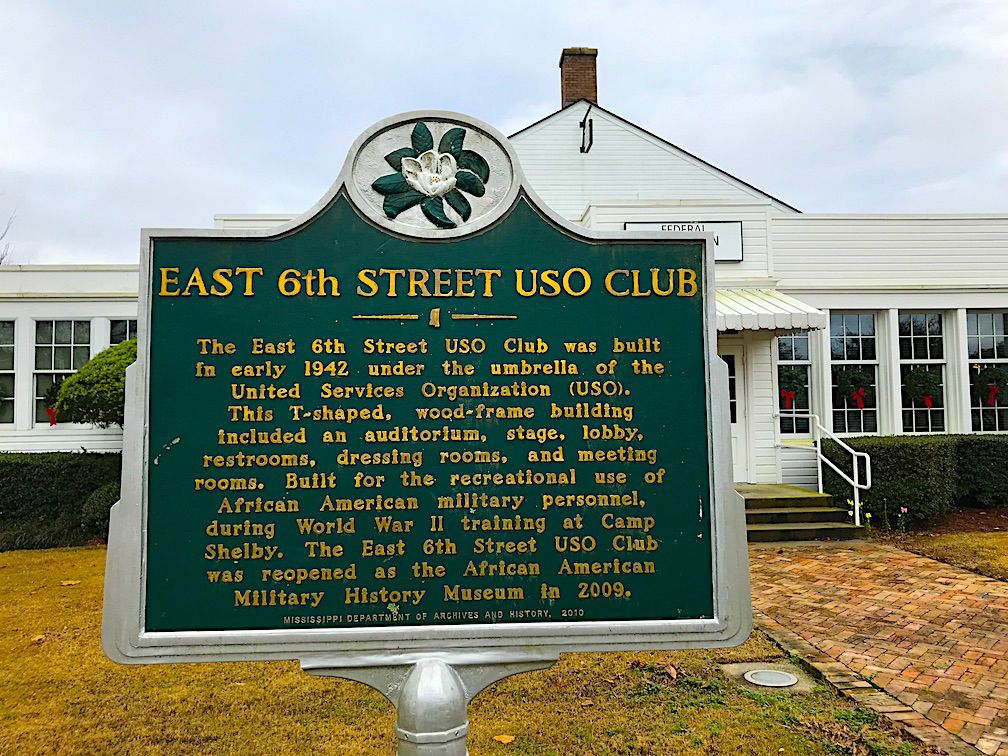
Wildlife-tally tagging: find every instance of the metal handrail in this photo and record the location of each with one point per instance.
(818, 430)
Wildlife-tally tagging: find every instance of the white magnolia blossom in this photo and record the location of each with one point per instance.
(432, 173)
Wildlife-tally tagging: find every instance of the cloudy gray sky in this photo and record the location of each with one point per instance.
(118, 115)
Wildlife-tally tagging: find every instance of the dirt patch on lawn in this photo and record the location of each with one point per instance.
(972, 521)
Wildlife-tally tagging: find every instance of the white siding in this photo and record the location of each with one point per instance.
(623, 163)
(799, 467)
(866, 252)
(755, 262)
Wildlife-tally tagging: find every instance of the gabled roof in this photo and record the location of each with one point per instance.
(663, 142)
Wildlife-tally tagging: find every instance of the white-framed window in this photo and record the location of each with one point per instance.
(61, 348)
(922, 348)
(6, 371)
(854, 365)
(987, 347)
(121, 330)
(794, 393)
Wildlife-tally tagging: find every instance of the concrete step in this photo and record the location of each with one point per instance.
(780, 515)
(802, 502)
(804, 531)
(776, 496)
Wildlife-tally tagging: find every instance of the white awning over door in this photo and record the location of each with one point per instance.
(766, 309)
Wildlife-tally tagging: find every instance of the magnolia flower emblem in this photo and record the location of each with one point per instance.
(432, 173)
(429, 177)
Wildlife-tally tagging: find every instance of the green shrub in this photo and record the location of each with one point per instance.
(982, 470)
(95, 512)
(42, 496)
(916, 472)
(97, 392)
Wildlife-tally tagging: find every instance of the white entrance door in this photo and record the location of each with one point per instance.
(732, 355)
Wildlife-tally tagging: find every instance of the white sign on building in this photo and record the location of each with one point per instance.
(727, 234)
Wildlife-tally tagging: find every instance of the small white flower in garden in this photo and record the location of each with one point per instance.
(432, 173)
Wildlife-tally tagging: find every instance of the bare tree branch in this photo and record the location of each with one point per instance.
(7, 249)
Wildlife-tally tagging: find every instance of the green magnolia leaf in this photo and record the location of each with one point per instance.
(394, 183)
(468, 182)
(459, 203)
(422, 139)
(474, 162)
(451, 142)
(433, 208)
(395, 158)
(396, 203)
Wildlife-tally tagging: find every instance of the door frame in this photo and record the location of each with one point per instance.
(740, 428)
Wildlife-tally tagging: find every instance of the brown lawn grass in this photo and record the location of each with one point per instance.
(59, 694)
(983, 553)
(973, 539)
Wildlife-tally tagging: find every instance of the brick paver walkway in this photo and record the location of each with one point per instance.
(933, 636)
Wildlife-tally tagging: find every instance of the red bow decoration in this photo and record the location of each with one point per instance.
(52, 415)
(927, 401)
(993, 390)
(788, 398)
(858, 396)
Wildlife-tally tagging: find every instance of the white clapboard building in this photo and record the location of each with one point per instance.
(801, 298)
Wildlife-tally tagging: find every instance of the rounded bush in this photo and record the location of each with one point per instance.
(95, 512)
(97, 392)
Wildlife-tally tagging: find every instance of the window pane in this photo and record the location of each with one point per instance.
(6, 331)
(62, 358)
(868, 349)
(43, 332)
(6, 358)
(7, 411)
(82, 331)
(935, 348)
(934, 324)
(867, 323)
(918, 325)
(43, 358)
(837, 348)
(973, 347)
(851, 325)
(836, 325)
(117, 331)
(801, 348)
(64, 331)
(81, 355)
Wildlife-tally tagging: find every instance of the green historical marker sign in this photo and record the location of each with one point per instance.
(428, 415)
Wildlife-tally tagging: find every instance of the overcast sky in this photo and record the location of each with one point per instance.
(118, 115)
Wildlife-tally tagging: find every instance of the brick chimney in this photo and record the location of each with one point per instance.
(577, 75)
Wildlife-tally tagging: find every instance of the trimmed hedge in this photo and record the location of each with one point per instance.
(42, 497)
(983, 470)
(929, 475)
